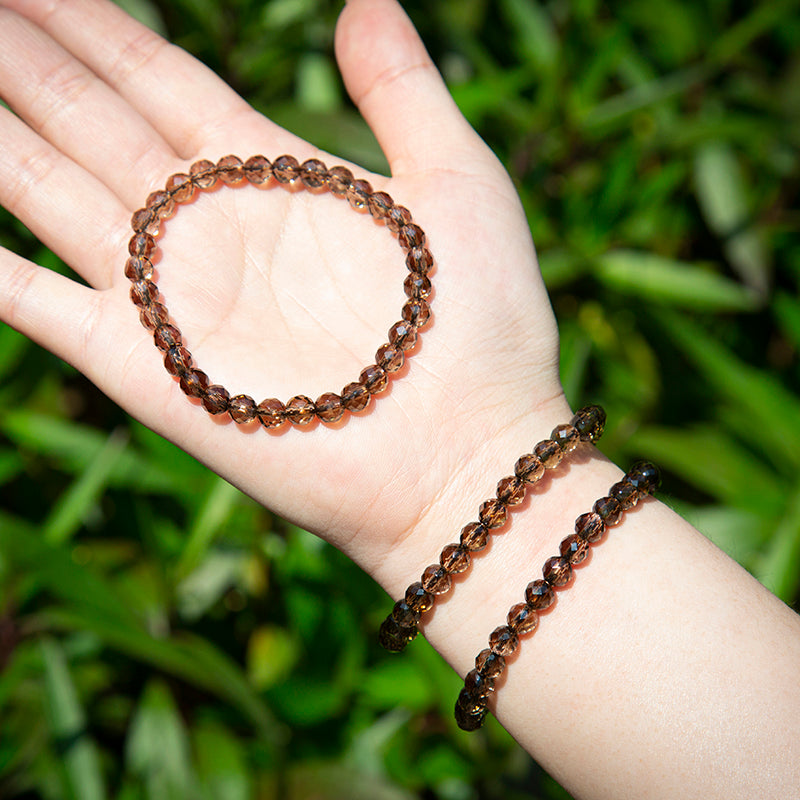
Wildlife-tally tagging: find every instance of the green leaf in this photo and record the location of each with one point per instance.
(779, 570)
(535, 37)
(221, 763)
(271, 654)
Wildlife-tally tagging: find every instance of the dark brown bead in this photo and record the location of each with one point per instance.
(403, 334)
(194, 383)
(379, 204)
(567, 437)
(166, 336)
(609, 510)
(215, 399)
(329, 407)
(419, 598)
(374, 378)
(469, 703)
(626, 494)
(138, 268)
(492, 513)
(539, 595)
(557, 571)
(355, 396)
(435, 579)
(590, 526)
(339, 180)
(286, 169)
(529, 468)
(257, 170)
(180, 187)
(417, 312)
(469, 722)
(393, 637)
(404, 615)
(455, 558)
(230, 170)
(522, 618)
(153, 316)
(574, 548)
(503, 641)
(162, 204)
(511, 490)
(549, 453)
(411, 236)
(203, 174)
(390, 357)
(419, 259)
(358, 194)
(474, 536)
(417, 286)
(300, 410)
(313, 173)
(144, 293)
(490, 664)
(242, 408)
(142, 244)
(590, 422)
(478, 684)
(397, 218)
(146, 220)
(644, 476)
(271, 412)
(178, 360)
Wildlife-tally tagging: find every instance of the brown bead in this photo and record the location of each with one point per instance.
(503, 641)
(257, 170)
(574, 548)
(626, 494)
(138, 268)
(522, 619)
(286, 169)
(394, 637)
(490, 664)
(590, 526)
(411, 236)
(329, 407)
(557, 571)
(644, 476)
(472, 705)
(162, 204)
(469, 722)
(492, 513)
(403, 334)
(154, 315)
(313, 173)
(339, 180)
(178, 360)
(397, 218)
(166, 336)
(417, 312)
(455, 558)
(358, 193)
(478, 684)
(390, 357)
(419, 598)
(474, 536)
(194, 383)
(590, 422)
(419, 259)
(142, 244)
(180, 187)
(567, 437)
(203, 174)
(435, 579)
(146, 220)
(374, 378)
(379, 204)
(215, 399)
(549, 453)
(144, 293)
(242, 409)
(271, 413)
(529, 468)
(404, 615)
(539, 595)
(417, 286)
(511, 490)
(609, 510)
(355, 396)
(230, 170)
(300, 410)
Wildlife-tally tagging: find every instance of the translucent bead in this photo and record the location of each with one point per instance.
(166, 336)
(374, 378)
(194, 383)
(329, 407)
(435, 579)
(417, 312)
(511, 490)
(411, 236)
(404, 615)
(549, 453)
(144, 293)
(271, 412)
(138, 268)
(490, 664)
(146, 220)
(393, 637)
(300, 410)
(626, 494)
(539, 595)
(522, 618)
(469, 722)
(230, 170)
(286, 169)
(215, 399)
(162, 204)
(403, 334)
(590, 422)
(474, 536)
(590, 526)
(242, 409)
(609, 510)
(557, 571)
(339, 180)
(398, 217)
(529, 468)
(492, 513)
(469, 703)
(418, 597)
(355, 396)
(419, 259)
(358, 193)
(203, 174)
(142, 244)
(379, 204)
(178, 360)
(567, 437)
(313, 173)
(644, 476)
(417, 286)
(180, 187)
(153, 316)
(574, 548)
(257, 170)
(390, 357)
(478, 684)
(503, 641)
(455, 558)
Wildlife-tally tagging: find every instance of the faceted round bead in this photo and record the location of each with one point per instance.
(522, 618)
(166, 336)
(557, 571)
(403, 334)
(271, 412)
(574, 548)
(417, 286)
(393, 637)
(469, 722)
(417, 312)
(474, 536)
(178, 360)
(590, 422)
(492, 513)
(374, 378)
(257, 170)
(146, 220)
(567, 437)
(419, 598)
(590, 526)
(339, 180)
(469, 703)
(286, 169)
(511, 490)
(355, 396)
(194, 383)
(358, 193)
(644, 476)
(144, 293)
(215, 399)
(489, 664)
(162, 204)
(503, 641)
(142, 244)
(300, 410)
(313, 173)
(435, 579)
(478, 684)
(180, 187)
(230, 170)
(329, 407)
(539, 595)
(411, 236)
(390, 357)
(379, 204)
(203, 174)
(419, 259)
(549, 453)
(609, 510)
(626, 494)
(405, 615)
(154, 315)
(529, 468)
(397, 218)
(138, 268)
(455, 558)
(242, 408)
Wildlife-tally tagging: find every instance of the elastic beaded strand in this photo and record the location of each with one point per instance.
(523, 619)
(313, 176)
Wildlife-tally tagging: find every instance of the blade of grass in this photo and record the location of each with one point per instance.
(779, 570)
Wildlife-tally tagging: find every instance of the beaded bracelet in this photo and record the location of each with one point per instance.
(400, 627)
(471, 707)
(287, 171)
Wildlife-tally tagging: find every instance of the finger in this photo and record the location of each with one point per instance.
(72, 109)
(391, 78)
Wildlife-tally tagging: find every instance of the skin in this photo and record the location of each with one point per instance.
(666, 670)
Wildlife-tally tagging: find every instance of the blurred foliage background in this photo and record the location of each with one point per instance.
(161, 636)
